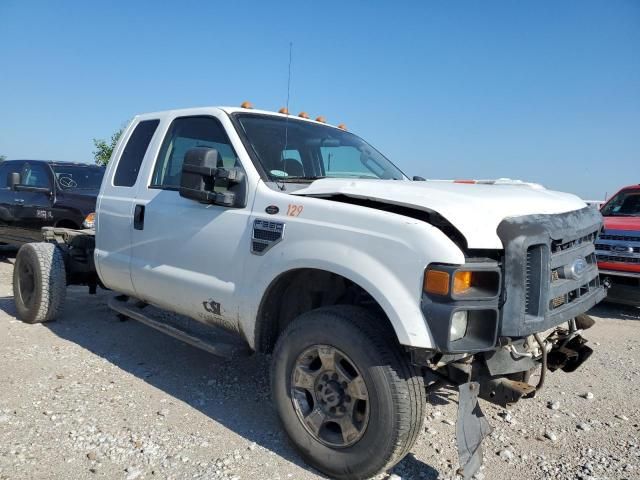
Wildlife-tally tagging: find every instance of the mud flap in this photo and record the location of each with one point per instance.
(471, 429)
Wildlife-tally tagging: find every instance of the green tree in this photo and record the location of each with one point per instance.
(104, 148)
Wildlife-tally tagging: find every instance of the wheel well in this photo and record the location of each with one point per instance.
(67, 224)
(298, 291)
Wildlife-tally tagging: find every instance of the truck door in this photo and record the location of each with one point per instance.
(188, 256)
(114, 219)
(7, 204)
(33, 208)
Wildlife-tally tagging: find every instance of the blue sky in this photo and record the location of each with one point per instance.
(545, 91)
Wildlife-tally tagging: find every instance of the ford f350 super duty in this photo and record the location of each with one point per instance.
(367, 287)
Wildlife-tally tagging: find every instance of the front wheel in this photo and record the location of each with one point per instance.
(347, 395)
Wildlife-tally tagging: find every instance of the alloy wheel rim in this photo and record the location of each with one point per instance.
(330, 396)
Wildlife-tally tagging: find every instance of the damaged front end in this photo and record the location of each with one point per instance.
(505, 374)
(517, 369)
(500, 322)
(514, 370)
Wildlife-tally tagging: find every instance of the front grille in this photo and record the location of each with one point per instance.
(574, 295)
(622, 237)
(551, 272)
(613, 258)
(619, 246)
(605, 247)
(532, 279)
(561, 278)
(559, 245)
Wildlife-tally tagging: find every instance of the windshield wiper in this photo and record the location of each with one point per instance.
(297, 179)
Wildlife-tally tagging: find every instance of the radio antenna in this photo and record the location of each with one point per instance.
(289, 75)
(286, 122)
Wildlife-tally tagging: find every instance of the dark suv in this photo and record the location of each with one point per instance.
(39, 193)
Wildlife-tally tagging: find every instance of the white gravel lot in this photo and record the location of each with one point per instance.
(89, 396)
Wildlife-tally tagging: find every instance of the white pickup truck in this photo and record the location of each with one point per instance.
(365, 285)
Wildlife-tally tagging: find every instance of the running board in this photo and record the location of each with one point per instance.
(227, 348)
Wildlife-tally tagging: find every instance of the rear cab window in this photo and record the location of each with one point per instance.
(131, 159)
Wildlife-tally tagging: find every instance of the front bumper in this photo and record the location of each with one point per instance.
(622, 287)
(542, 286)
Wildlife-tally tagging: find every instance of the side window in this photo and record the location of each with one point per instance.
(185, 133)
(5, 170)
(131, 158)
(35, 175)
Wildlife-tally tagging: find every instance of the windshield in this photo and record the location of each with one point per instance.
(78, 177)
(295, 150)
(624, 204)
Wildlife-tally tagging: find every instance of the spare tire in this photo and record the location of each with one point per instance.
(39, 282)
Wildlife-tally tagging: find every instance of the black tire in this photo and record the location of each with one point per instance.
(396, 396)
(39, 282)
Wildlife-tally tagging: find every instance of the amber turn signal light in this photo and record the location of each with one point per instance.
(436, 282)
(246, 105)
(89, 221)
(462, 282)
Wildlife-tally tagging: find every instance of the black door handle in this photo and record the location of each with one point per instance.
(138, 217)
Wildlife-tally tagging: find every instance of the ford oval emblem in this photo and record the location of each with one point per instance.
(621, 249)
(578, 267)
(272, 209)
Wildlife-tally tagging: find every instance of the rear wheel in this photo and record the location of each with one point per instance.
(346, 393)
(39, 282)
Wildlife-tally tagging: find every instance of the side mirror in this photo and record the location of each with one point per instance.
(13, 180)
(201, 171)
(416, 178)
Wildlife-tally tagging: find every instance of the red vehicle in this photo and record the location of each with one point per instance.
(618, 247)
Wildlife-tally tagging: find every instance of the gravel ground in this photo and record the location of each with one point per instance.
(89, 396)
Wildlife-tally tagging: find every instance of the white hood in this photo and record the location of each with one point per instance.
(474, 209)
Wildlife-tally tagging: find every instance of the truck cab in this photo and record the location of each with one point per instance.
(306, 243)
(618, 246)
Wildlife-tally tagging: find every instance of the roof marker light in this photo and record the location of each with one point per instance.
(303, 115)
(284, 110)
(342, 126)
(321, 119)
(246, 105)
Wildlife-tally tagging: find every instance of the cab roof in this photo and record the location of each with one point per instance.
(229, 111)
(54, 162)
